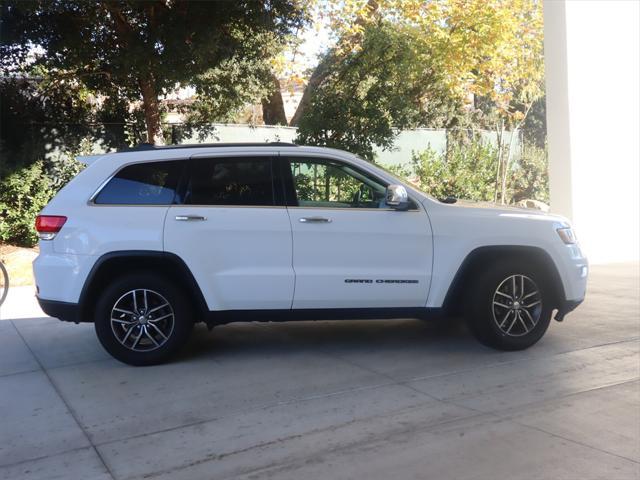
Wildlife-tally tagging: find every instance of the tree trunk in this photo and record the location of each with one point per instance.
(273, 106)
(317, 77)
(505, 170)
(507, 161)
(500, 135)
(322, 70)
(151, 107)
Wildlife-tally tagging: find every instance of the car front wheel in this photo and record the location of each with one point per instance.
(510, 306)
(142, 319)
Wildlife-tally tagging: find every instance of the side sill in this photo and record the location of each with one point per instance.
(70, 312)
(221, 317)
(65, 311)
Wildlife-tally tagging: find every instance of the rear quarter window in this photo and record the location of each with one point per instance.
(152, 183)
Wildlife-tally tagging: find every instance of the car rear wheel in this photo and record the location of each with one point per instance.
(142, 319)
(510, 306)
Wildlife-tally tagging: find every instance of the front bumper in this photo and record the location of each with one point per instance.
(567, 307)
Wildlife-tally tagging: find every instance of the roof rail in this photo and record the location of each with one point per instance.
(150, 146)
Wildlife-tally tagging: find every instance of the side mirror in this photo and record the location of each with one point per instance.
(397, 197)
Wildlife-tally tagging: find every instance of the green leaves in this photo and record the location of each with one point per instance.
(371, 92)
(530, 179)
(442, 63)
(467, 171)
(122, 49)
(22, 195)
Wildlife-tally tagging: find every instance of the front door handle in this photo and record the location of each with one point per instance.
(315, 220)
(190, 218)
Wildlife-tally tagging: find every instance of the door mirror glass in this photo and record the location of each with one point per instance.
(397, 197)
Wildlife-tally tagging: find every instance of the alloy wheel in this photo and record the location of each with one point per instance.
(142, 320)
(517, 305)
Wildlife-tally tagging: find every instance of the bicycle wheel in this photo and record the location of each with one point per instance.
(4, 283)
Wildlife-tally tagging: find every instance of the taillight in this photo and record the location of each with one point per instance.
(48, 226)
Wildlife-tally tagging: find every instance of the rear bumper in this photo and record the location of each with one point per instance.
(68, 312)
(50, 267)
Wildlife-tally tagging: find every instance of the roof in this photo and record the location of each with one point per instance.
(149, 146)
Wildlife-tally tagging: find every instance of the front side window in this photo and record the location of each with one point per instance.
(245, 181)
(152, 183)
(325, 183)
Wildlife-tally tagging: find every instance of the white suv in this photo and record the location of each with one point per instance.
(146, 242)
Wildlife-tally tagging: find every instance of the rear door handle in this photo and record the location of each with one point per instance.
(315, 220)
(190, 218)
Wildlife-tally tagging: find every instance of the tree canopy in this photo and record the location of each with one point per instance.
(386, 84)
(484, 58)
(129, 51)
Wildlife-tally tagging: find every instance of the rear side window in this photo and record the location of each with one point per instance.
(143, 184)
(246, 181)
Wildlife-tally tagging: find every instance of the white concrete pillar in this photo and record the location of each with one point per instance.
(592, 61)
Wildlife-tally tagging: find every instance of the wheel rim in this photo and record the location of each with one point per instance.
(4, 283)
(142, 320)
(517, 305)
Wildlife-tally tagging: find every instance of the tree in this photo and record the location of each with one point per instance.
(493, 50)
(135, 51)
(479, 49)
(347, 20)
(464, 171)
(534, 128)
(386, 84)
(272, 106)
(38, 116)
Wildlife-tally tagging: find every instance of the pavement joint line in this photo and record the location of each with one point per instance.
(412, 379)
(44, 457)
(23, 372)
(570, 394)
(509, 417)
(66, 404)
(615, 342)
(429, 427)
(406, 382)
(393, 381)
(240, 412)
(519, 360)
(541, 402)
(82, 363)
(562, 437)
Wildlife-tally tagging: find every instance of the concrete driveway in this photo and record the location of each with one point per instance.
(368, 399)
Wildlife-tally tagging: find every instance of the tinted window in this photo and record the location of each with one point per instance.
(230, 181)
(143, 184)
(323, 183)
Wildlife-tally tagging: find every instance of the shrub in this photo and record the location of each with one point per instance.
(530, 177)
(62, 168)
(23, 194)
(467, 170)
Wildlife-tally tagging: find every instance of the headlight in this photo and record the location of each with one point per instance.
(567, 235)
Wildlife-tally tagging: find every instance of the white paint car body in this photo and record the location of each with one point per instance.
(269, 258)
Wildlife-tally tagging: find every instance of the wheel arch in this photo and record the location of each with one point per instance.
(482, 257)
(114, 264)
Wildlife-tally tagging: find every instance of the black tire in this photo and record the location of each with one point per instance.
(175, 328)
(484, 318)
